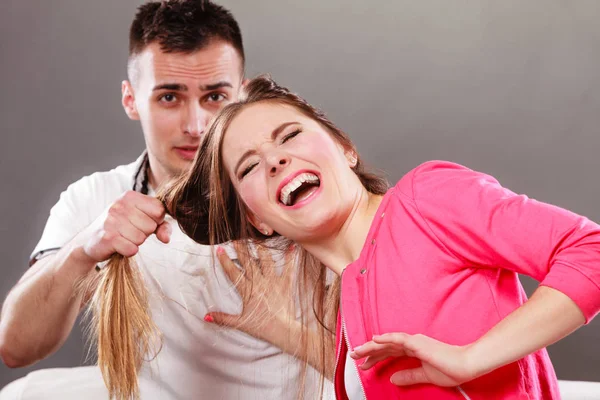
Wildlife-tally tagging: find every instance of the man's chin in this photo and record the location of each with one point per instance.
(181, 166)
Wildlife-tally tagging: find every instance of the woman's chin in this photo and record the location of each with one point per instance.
(312, 228)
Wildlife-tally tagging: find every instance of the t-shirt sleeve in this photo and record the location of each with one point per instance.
(486, 225)
(77, 207)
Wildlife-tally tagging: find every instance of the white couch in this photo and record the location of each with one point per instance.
(578, 390)
(63, 384)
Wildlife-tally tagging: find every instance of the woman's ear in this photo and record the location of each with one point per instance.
(352, 157)
(258, 224)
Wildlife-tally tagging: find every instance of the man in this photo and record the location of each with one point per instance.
(186, 61)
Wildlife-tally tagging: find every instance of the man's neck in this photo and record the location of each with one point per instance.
(155, 173)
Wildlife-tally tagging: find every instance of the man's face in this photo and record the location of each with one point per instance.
(174, 95)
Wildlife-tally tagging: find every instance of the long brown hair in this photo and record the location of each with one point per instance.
(209, 210)
(120, 324)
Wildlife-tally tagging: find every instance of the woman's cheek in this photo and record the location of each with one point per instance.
(255, 196)
(316, 148)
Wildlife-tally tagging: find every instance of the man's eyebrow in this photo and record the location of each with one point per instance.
(215, 86)
(178, 87)
(274, 135)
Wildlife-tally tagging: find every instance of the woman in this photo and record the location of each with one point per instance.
(431, 306)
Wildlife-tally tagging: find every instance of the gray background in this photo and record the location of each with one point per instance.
(511, 88)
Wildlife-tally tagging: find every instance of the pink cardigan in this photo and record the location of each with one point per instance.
(441, 258)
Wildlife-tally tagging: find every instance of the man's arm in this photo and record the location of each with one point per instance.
(41, 309)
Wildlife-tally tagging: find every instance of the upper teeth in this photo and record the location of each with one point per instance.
(294, 184)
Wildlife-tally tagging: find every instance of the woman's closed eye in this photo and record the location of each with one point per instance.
(291, 135)
(251, 166)
(247, 170)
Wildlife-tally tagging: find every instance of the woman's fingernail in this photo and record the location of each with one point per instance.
(220, 250)
(208, 318)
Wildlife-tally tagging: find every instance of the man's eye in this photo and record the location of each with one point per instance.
(247, 170)
(291, 135)
(216, 97)
(167, 98)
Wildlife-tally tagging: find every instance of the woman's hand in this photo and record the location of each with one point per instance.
(268, 309)
(441, 364)
(545, 318)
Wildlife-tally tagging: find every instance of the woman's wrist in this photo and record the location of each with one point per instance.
(285, 334)
(477, 362)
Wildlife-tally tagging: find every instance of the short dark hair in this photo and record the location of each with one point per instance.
(183, 26)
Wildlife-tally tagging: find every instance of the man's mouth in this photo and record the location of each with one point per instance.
(301, 187)
(187, 152)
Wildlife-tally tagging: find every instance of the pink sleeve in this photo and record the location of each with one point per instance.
(484, 224)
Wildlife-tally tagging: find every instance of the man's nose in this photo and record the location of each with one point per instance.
(195, 120)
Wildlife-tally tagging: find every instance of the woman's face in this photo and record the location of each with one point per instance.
(292, 175)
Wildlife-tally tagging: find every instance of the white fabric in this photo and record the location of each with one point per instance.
(352, 384)
(72, 383)
(578, 390)
(58, 383)
(198, 359)
(76, 384)
(13, 390)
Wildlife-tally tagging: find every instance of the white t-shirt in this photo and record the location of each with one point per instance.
(352, 383)
(198, 360)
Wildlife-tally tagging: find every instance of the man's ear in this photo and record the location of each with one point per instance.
(258, 224)
(128, 101)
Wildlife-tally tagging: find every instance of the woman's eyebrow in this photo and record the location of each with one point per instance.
(274, 135)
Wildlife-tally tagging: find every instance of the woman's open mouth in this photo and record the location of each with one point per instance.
(300, 188)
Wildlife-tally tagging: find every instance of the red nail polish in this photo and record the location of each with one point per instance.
(208, 318)
(220, 250)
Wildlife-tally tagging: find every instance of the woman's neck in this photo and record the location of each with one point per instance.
(345, 245)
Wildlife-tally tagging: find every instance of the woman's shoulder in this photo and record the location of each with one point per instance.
(431, 174)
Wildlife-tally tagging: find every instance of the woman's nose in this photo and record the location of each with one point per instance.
(278, 163)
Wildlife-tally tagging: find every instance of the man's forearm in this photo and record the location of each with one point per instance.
(40, 311)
